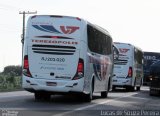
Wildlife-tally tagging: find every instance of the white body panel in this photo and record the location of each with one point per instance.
(54, 46)
(125, 61)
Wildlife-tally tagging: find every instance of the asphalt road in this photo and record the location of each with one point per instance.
(119, 102)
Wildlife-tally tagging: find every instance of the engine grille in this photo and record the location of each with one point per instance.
(53, 49)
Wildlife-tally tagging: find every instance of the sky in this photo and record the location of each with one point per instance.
(129, 21)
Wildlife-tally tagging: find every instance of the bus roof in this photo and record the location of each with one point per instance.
(72, 17)
(56, 16)
(128, 44)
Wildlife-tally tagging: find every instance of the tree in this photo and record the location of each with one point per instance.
(12, 70)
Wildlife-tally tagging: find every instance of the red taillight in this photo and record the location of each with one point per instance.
(26, 71)
(80, 70)
(130, 72)
(80, 67)
(26, 64)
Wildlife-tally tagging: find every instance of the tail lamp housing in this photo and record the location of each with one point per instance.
(80, 70)
(26, 71)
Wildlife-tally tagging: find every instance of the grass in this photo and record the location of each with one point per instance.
(10, 83)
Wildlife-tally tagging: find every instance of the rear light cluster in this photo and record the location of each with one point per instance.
(130, 72)
(80, 70)
(26, 71)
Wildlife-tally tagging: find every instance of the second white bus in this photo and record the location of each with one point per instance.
(128, 67)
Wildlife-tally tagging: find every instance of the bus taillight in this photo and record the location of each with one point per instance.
(80, 70)
(80, 67)
(26, 71)
(130, 72)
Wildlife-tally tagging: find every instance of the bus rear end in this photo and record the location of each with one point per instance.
(51, 58)
(123, 66)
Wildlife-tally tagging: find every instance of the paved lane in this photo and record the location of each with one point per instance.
(120, 100)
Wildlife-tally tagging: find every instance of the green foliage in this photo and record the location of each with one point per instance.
(13, 70)
(10, 78)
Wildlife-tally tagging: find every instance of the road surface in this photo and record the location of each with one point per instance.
(119, 102)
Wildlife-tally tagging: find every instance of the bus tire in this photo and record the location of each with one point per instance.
(113, 88)
(138, 88)
(109, 84)
(130, 88)
(133, 88)
(104, 94)
(38, 96)
(44, 96)
(89, 97)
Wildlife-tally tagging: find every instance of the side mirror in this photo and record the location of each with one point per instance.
(116, 52)
(22, 41)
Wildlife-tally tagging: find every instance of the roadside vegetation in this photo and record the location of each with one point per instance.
(10, 78)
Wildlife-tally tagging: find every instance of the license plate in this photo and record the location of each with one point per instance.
(114, 80)
(51, 83)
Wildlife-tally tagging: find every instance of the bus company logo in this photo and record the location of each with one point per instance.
(123, 50)
(68, 29)
(52, 29)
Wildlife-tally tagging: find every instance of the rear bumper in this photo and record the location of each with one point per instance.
(64, 86)
(121, 82)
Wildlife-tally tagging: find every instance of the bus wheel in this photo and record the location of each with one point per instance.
(38, 96)
(44, 96)
(113, 88)
(138, 88)
(130, 88)
(104, 94)
(89, 97)
(133, 88)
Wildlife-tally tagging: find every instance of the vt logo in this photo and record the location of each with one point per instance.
(123, 50)
(68, 29)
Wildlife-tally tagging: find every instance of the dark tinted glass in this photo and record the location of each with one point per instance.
(99, 42)
(138, 56)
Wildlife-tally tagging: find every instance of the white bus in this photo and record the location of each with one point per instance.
(64, 54)
(128, 67)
